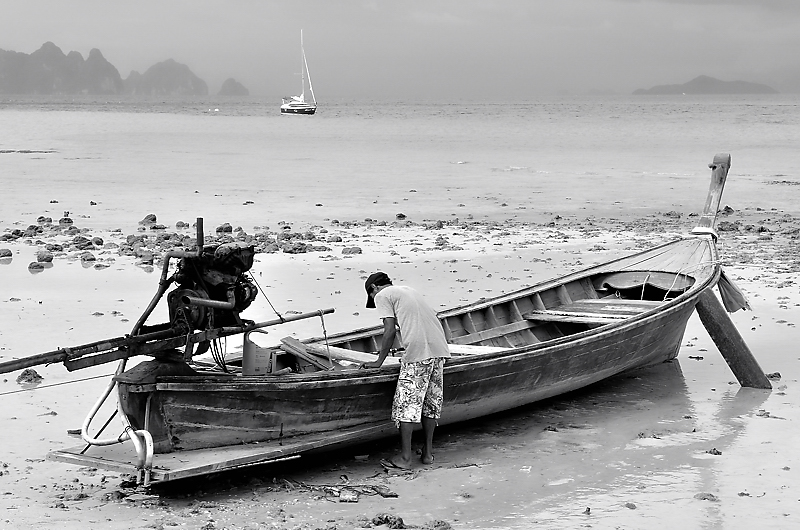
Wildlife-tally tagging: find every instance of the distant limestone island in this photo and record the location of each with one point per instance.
(48, 71)
(708, 85)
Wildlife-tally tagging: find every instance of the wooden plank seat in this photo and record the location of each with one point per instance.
(593, 311)
(471, 349)
(493, 333)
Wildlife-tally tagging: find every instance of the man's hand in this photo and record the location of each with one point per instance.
(389, 330)
(373, 364)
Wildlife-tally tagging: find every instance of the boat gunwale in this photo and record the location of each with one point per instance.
(214, 382)
(222, 382)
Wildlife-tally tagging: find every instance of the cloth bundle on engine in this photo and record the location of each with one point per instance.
(213, 288)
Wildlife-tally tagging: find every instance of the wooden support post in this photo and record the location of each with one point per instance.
(730, 343)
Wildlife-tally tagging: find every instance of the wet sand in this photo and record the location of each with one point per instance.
(677, 444)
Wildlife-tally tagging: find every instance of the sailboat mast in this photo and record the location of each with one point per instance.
(302, 69)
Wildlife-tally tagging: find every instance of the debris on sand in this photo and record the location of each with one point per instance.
(348, 495)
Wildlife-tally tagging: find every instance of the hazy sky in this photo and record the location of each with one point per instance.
(431, 49)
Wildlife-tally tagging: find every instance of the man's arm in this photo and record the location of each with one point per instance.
(389, 332)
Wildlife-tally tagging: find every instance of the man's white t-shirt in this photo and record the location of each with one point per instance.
(421, 333)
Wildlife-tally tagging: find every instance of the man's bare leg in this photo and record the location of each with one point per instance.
(428, 425)
(404, 460)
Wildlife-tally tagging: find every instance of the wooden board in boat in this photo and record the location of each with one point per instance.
(594, 310)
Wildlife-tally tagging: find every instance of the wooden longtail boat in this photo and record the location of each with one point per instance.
(535, 343)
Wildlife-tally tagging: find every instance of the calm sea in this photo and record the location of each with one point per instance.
(240, 161)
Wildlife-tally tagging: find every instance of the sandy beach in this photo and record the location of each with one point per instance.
(494, 198)
(680, 443)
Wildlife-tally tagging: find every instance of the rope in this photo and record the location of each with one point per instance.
(325, 335)
(218, 353)
(280, 317)
(54, 384)
(684, 270)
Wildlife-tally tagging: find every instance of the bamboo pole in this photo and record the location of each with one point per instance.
(147, 344)
(730, 343)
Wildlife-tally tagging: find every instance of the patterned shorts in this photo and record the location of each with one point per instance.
(419, 391)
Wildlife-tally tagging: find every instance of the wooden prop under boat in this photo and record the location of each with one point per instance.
(535, 343)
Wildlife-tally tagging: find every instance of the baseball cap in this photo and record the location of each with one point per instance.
(377, 278)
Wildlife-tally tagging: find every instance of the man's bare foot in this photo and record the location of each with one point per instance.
(427, 459)
(396, 463)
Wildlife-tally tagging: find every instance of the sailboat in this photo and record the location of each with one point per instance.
(298, 104)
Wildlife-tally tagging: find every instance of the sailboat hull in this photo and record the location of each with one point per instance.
(298, 109)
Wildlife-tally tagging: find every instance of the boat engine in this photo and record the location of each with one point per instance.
(212, 288)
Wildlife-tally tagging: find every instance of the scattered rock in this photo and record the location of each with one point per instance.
(351, 250)
(82, 243)
(295, 247)
(44, 256)
(437, 524)
(775, 376)
(29, 375)
(149, 220)
(5, 253)
(113, 496)
(35, 266)
(400, 216)
(707, 497)
(727, 226)
(391, 521)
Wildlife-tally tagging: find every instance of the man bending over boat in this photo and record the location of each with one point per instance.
(418, 398)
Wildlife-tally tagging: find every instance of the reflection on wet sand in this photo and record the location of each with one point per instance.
(635, 441)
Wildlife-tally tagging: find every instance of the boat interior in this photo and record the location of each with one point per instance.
(523, 318)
